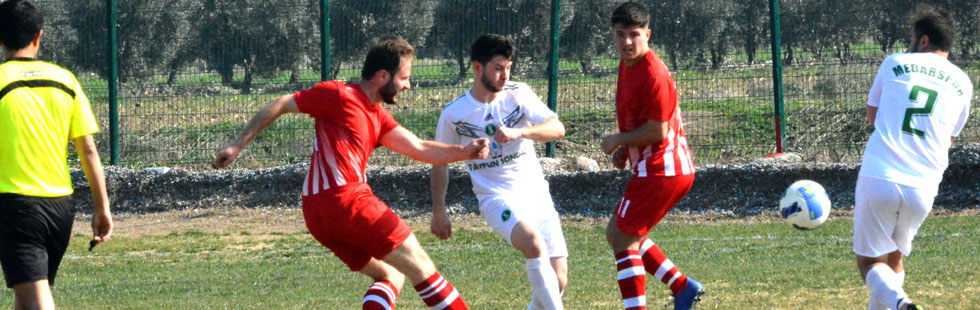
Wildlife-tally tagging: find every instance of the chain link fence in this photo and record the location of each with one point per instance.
(192, 72)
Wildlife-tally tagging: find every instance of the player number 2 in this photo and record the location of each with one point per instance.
(926, 110)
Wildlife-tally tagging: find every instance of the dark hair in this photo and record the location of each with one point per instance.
(631, 14)
(937, 24)
(20, 21)
(386, 54)
(488, 46)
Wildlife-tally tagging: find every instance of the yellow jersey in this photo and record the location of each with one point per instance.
(42, 107)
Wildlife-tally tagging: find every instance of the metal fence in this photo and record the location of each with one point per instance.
(192, 72)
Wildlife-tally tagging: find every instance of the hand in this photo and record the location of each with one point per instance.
(619, 157)
(101, 226)
(507, 134)
(478, 149)
(442, 225)
(609, 144)
(226, 156)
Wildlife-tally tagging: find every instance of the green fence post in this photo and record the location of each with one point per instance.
(325, 40)
(553, 66)
(113, 84)
(777, 75)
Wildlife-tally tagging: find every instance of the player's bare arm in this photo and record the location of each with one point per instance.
(547, 131)
(407, 143)
(442, 225)
(268, 114)
(648, 134)
(872, 112)
(88, 155)
(619, 157)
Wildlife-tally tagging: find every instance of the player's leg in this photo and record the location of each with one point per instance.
(388, 281)
(33, 295)
(894, 260)
(414, 262)
(882, 232)
(34, 234)
(540, 273)
(518, 220)
(554, 239)
(631, 276)
(373, 232)
(645, 202)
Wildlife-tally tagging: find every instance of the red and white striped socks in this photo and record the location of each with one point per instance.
(380, 296)
(657, 264)
(632, 280)
(439, 294)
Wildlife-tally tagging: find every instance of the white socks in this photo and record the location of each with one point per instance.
(544, 284)
(886, 287)
(875, 304)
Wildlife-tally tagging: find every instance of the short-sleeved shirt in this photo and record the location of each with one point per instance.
(348, 127)
(923, 101)
(645, 91)
(42, 107)
(512, 167)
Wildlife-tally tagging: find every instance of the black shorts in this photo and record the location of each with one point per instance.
(34, 234)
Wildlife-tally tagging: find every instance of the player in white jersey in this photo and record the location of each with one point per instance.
(918, 104)
(511, 189)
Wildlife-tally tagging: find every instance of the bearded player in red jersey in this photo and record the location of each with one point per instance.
(652, 139)
(339, 207)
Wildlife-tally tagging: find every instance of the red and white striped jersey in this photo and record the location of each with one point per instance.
(646, 91)
(348, 128)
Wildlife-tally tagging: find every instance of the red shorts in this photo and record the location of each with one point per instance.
(648, 199)
(354, 224)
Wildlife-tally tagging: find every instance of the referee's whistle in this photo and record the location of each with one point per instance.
(91, 244)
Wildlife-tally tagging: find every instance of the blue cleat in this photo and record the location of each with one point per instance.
(689, 296)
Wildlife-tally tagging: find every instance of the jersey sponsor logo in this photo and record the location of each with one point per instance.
(30, 73)
(467, 130)
(504, 216)
(496, 162)
(491, 129)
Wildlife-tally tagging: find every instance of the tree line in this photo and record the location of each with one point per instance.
(257, 38)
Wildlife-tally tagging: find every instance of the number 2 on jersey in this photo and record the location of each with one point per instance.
(926, 110)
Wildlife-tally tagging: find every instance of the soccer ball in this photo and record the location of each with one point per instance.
(805, 205)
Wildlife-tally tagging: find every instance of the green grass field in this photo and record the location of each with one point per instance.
(744, 263)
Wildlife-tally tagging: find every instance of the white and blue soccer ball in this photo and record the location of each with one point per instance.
(805, 205)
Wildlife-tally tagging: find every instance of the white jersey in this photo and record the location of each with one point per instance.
(923, 101)
(512, 167)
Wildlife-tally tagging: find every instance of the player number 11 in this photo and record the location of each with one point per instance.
(926, 110)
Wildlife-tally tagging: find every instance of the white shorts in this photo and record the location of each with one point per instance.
(502, 214)
(887, 216)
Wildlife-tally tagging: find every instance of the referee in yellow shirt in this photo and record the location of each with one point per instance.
(41, 107)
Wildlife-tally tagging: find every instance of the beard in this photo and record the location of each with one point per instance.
(488, 84)
(389, 91)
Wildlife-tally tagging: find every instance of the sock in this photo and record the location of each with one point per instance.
(875, 304)
(632, 280)
(544, 284)
(439, 294)
(380, 296)
(884, 285)
(657, 264)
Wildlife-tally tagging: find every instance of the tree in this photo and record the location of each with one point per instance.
(587, 34)
(259, 36)
(146, 33)
(751, 26)
(355, 23)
